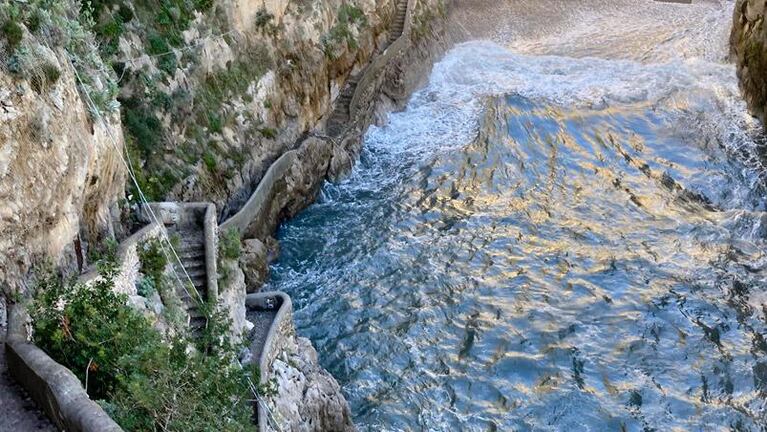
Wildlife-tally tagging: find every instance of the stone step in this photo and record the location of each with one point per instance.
(339, 119)
(194, 312)
(191, 254)
(191, 243)
(193, 264)
(196, 272)
(197, 323)
(200, 284)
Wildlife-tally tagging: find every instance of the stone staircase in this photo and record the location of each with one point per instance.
(191, 251)
(341, 113)
(399, 21)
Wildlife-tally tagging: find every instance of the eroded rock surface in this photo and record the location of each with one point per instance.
(309, 398)
(748, 49)
(59, 171)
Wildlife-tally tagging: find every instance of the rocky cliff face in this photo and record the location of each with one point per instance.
(60, 171)
(748, 44)
(209, 106)
(210, 94)
(309, 399)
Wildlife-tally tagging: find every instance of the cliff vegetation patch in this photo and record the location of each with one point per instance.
(146, 380)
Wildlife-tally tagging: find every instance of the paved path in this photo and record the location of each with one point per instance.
(17, 412)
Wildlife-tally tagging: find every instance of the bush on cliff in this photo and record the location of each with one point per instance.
(13, 33)
(145, 380)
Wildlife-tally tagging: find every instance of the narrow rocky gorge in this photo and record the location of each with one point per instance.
(198, 118)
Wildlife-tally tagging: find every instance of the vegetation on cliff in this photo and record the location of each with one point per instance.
(35, 30)
(145, 380)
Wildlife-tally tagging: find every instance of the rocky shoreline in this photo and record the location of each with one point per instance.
(748, 48)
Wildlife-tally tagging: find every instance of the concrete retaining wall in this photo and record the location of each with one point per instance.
(279, 333)
(248, 219)
(210, 228)
(185, 214)
(251, 215)
(54, 388)
(127, 260)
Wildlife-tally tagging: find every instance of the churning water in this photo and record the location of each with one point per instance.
(548, 242)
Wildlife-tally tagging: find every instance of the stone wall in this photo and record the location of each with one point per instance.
(127, 258)
(54, 388)
(748, 47)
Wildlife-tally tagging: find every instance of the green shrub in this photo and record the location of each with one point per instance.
(203, 5)
(105, 251)
(51, 73)
(89, 329)
(125, 13)
(47, 75)
(143, 125)
(209, 160)
(166, 58)
(263, 18)
(215, 124)
(145, 381)
(268, 132)
(153, 260)
(13, 33)
(145, 287)
(351, 14)
(33, 21)
(348, 16)
(230, 244)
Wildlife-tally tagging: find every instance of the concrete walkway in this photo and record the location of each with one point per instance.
(17, 412)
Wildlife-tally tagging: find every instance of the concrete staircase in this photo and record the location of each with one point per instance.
(341, 113)
(191, 251)
(399, 21)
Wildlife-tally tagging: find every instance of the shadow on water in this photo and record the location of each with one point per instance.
(560, 266)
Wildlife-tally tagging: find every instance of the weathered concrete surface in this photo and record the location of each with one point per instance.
(18, 412)
(231, 296)
(748, 45)
(290, 184)
(308, 398)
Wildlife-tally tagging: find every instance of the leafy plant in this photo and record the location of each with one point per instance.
(230, 247)
(153, 260)
(348, 16)
(146, 381)
(210, 161)
(47, 75)
(268, 132)
(263, 18)
(106, 251)
(89, 329)
(13, 33)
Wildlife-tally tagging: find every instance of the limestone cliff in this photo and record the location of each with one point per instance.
(748, 44)
(60, 170)
(199, 98)
(209, 105)
(309, 399)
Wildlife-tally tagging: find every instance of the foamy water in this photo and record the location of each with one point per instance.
(556, 233)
